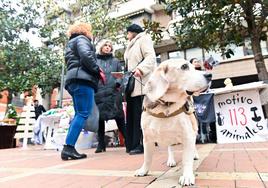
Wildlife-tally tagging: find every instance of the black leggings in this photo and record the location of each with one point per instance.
(133, 127)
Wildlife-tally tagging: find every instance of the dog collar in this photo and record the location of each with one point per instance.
(167, 115)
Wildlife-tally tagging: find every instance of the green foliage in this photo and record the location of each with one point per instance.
(154, 29)
(22, 65)
(214, 25)
(11, 112)
(25, 67)
(95, 12)
(217, 24)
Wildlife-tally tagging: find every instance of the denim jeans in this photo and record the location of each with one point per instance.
(83, 100)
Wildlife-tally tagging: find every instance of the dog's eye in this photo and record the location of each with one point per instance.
(185, 67)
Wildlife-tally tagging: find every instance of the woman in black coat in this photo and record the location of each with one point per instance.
(81, 82)
(109, 96)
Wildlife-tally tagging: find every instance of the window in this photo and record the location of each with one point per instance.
(238, 51)
(158, 59)
(194, 53)
(264, 47)
(216, 55)
(247, 47)
(176, 54)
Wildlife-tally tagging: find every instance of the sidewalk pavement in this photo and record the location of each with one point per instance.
(242, 165)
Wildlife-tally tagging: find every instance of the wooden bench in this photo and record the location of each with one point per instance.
(25, 126)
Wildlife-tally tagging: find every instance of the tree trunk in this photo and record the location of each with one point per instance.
(9, 100)
(258, 58)
(260, 65)
(9, 97)
(254, 31)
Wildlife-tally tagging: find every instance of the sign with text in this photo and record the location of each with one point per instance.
(239, 117)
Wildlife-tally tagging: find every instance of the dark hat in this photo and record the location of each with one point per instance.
(134, 28)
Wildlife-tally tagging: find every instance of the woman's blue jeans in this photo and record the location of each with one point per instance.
(83, 100)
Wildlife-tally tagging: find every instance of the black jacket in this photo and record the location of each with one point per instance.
(81, 62)
(109, 96)
(39, 109)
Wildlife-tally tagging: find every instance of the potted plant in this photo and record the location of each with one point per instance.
(8, 127)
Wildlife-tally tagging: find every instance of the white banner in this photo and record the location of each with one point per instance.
(239, 117)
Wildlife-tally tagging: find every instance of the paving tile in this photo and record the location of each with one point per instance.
(6, 174)
(228, 176)
(249, 184)
(146, 179)
(125, 181)
(135, 185)
(120, 161)
(266, 184)
(264, 177)
(210, 162)
(244, 167)
(56, 181)
(224, 166)
(118, 183)
(216, 183)
(220, 165)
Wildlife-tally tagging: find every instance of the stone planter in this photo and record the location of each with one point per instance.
(7, 133)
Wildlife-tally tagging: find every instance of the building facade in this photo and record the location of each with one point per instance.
(240, 67)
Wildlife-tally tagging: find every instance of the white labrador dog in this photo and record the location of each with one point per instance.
(165, 120)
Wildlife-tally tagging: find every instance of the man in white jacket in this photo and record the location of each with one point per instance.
(139, 58)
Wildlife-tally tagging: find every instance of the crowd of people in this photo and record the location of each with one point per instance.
(90, 78)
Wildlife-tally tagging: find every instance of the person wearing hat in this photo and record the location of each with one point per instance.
(139, 58)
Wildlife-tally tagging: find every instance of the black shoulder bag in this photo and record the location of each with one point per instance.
(129, 80)
(128, 83)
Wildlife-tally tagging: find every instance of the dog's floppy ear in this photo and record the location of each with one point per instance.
(158, 84)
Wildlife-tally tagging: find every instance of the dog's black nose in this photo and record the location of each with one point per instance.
(208, 76)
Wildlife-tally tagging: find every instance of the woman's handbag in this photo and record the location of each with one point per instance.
(128, 83)
(92, 122)
(129, 79)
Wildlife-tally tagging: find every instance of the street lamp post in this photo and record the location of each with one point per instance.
(61, 85)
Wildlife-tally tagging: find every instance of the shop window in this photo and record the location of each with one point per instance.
(175, 55)
(264, 47)
(238, 52)
(247, 48)
(215, 54)
(158, 59)
(194, 53)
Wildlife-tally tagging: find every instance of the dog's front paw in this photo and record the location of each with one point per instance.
(141, 172)
(187, 179)
(171, 163)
